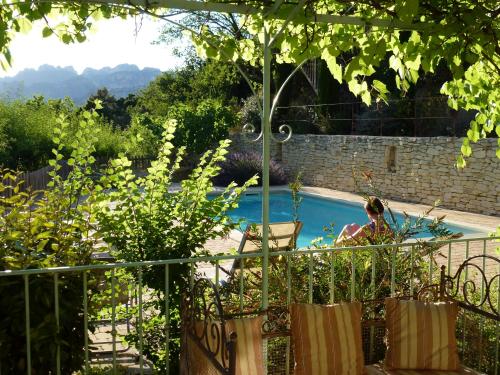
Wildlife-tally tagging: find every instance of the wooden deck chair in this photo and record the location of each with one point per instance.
(282, 237)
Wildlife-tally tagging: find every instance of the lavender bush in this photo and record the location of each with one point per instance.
(241, 166)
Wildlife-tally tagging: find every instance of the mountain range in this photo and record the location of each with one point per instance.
(58, 82)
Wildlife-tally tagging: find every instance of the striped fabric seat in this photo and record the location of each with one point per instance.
(327, 339)
(421, 335)
(249, 345)
(249, 349)
(378, 369)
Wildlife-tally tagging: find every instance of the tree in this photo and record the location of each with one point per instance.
(464, 35)
(114, 111)
(198, 80)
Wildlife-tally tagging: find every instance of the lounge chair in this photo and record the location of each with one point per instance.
(282, 237)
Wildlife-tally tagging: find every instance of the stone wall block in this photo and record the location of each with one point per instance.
(415, 169)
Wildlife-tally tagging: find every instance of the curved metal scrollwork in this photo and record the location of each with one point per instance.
(204, 323)
(250, 129)
(286, 130)
(283, 129)
(429, 293)
(477, 280)
(277, 321)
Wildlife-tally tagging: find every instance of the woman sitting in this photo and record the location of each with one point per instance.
(376, 229)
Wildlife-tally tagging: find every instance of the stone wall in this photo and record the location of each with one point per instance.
(408, 169)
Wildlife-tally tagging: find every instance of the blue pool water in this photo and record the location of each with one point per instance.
(314, 212)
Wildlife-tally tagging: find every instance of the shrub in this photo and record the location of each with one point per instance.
(47, 229)
(144, 220)
(241, 166)
(199, 128)
(143, 138)
(26, 134)
(250, 112)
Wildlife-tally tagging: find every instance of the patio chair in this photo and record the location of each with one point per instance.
(282, 236)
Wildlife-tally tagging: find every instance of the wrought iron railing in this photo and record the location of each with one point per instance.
(323, 275)
(418, 117)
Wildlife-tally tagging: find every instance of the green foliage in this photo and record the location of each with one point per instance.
(461, 36)
(144, 218)
(69, 22)
(200, 96)
(250, 111)
(148, 221)
(43, 229)
(198, 81)
(201, 126)
(114, 111)
(26, 133)
(478, 92)
(143, 137)
(153, 331)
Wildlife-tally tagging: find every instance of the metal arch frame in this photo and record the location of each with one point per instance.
(274, 10)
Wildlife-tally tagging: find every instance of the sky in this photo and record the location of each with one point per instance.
(112, 44)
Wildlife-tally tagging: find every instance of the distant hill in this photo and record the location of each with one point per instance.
(59, 82)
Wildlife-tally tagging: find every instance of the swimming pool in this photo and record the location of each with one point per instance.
(315, 213)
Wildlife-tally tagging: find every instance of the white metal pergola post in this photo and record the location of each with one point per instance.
(266, 155)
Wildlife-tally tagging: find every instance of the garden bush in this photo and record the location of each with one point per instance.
(200, 127)
(139, 216)
(43, 229)
(143, 137)
(250, 112)
(143, 219)
(241, 166)
(26, 134)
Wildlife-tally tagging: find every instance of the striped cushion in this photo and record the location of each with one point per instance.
(421, 335)
(249, 345)
(249, 348)
(378, 369)
(327, 339)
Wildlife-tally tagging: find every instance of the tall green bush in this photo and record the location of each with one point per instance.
(43, 229)
(146, 218)
(200, 127)
(143, 137)
(26, 134)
